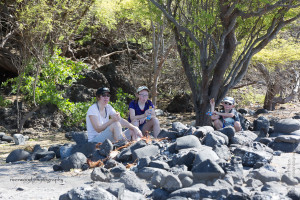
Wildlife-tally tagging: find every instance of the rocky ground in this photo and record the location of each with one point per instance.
(38, 180)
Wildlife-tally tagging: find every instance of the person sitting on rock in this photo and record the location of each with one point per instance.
(227, 117)
(142, 112)
(103, 122)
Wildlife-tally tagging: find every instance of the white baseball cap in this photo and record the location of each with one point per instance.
(142, 88)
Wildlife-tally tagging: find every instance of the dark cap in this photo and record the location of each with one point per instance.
(102, 90)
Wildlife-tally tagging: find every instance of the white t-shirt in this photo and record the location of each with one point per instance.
(93, 110)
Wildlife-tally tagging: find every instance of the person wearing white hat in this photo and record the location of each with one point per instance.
(142, 113)
(226, 117)
(103, 122)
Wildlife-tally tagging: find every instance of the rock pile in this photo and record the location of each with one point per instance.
(185, 163)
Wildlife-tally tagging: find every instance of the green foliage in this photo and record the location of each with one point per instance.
(278, 52)
(58, 72)
(120, 105)
(4, 102)
(248, 96)
(75, 112)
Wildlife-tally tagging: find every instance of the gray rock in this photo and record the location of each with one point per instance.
(189, 192)
(151, 150)
(275, 187)
(159, 164)
(294, 194)
(287, 125)
(222, 151)
(86, 148)
(118, 170)
(158, 179)
(200, 132)
(289, 180)
(172, 183)
(124, 156)
(253, 183)
(100, 174)
(184, 157)
(133, 183)
(178, 127)
(288, 138)
(138, 145)
(262, 125)
(79, 137)
(106, 147)
(211, 139)
(204, 154)
(88, 192)
(243, 137)
(189, 141)
(1, 135)
(45, 156)
(17, 155)
(65, 150)
(159, 194)
(257, 152)
(265, 175)
(128, 195)
(147, 172)
(285, 147)
(7, 138)
(229, 131)
(56, 149)
(159, 112)
(75, 161)
(19, 139)
(186, 181)
(214, 192)
(143, 162)
(110, 163)
(117, 189)
(207, 170)
(164, 133)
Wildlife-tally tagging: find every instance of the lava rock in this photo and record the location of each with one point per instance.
(17, 155)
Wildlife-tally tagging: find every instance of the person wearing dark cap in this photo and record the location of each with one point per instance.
(226, 117)
(142, 112)
(103, 122)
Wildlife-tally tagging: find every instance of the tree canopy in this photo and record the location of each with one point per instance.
(208, 34)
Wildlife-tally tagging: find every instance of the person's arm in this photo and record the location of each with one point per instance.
(96, 124)
(134, 117)
(135, 130)
(226, 115)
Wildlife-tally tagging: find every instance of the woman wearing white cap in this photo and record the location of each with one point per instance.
(227, 117)
(142, 113)
(103, 122)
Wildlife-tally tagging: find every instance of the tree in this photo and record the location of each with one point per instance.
(208, 34)
(279, 66)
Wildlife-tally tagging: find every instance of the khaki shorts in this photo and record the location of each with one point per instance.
(107, 134)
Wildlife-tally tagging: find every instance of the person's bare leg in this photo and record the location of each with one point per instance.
(152, 124)
(237, 126)
(116, 129)
(218, 124)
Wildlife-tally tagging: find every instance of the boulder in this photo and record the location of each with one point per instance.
(17, 155)
(151, 150)
(287, 125)
(75, 161)
(189, 141)
(19, 139)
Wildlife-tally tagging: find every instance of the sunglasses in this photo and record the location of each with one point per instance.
(144, 95)
(228, 103)
(105, 95)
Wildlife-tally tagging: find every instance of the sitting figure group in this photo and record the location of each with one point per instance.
(103, 122)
